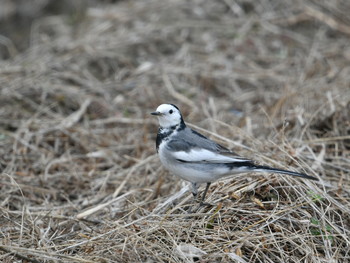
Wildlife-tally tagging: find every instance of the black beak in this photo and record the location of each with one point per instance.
(156, 113)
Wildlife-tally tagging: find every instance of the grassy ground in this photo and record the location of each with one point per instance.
(80, 178)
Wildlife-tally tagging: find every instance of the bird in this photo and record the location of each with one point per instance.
(193, 157)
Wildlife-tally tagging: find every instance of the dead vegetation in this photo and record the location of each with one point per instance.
(80, 179)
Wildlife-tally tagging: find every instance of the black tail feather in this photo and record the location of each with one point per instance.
(281, 171)
(250, 166)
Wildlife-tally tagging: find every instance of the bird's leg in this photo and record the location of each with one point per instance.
(195, 190)
(204, 194)
(195, 196)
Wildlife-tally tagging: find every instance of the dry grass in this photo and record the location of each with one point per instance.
(80, 178)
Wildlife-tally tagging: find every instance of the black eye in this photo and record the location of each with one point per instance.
(171, 111)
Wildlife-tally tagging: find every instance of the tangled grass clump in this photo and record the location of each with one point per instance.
(80, 178)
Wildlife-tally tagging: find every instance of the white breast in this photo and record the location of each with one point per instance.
(197, 173)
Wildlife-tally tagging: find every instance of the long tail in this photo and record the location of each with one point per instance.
(248, 166)
(262, 168)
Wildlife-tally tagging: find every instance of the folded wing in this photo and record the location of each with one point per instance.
(185, 151)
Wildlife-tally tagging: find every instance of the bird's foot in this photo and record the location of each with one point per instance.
(205, 204)
(194, 208)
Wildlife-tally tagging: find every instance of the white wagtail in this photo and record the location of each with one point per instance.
(195, 158)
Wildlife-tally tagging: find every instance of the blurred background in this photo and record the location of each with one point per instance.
(270, 79)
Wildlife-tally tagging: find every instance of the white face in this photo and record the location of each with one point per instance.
(168, 115)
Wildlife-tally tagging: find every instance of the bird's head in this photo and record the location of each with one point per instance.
(168, 115)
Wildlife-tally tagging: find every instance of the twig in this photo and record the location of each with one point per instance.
(18, 255)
